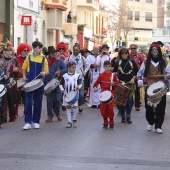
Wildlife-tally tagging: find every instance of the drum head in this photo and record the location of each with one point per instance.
(105, 96)
(1, 87)
(155, 88)
(52, 82)
(20, 82)
(31, 83)
(70, 96)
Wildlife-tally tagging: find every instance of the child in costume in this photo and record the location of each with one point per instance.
(108, 81)
(73, 82)
(35, 64)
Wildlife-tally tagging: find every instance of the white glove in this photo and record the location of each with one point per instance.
(140, 83)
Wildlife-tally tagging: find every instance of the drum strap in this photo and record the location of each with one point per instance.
(111, 87)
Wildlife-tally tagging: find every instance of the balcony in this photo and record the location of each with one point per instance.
(70, 28)
(55, 4)
(92, 5)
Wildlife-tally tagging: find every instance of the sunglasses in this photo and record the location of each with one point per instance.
(154, 49)
(61, 48)
(133, 48)
(25, 50)
(124, 53)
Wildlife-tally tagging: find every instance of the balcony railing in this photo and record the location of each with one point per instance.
(56, 4)
(70, 29)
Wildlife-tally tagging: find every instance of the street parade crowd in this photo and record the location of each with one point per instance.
(123, 80)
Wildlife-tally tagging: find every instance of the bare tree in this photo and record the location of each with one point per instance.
(119, 21)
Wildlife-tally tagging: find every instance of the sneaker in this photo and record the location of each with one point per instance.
(158, 130)
(93, 106)
(0, 126)
(63, 108)
(137, 108)
(111, 126)
(105, 126)
(49, 120)
(74, 123)
(59, 117)
(69, 125)
(149, 127)
(27, 126)
(128, 120)
(36, 126)
(123, 120)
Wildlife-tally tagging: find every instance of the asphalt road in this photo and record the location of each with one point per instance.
(87, 147)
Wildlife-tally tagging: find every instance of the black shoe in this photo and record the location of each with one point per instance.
(98, 106)
(63, 108)
(111, 126)
(128, 120)
(105, 126)
(93, 106)
(118, 114)
(5, 121)
(123, 120)
(11, 120)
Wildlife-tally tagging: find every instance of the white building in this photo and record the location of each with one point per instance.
(27, 12)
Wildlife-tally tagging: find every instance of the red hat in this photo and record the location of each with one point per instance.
(155, 44)
(61, 45)
(23, 46)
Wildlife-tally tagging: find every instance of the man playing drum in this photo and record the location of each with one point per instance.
(35, 65)
(154, 69)
(107, 81)
(56, 68)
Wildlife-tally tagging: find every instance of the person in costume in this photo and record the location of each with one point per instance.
(103, 56)
(34, 65)
(108, 82)
(56, 69)
(73, 82)
(62, 49)
(138, 58)
(93, 74)
(82, 67)
(126, 70)
(155, 64)
(3, 79)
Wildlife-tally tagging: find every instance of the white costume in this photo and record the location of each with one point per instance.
(100, 62)
(94, 74)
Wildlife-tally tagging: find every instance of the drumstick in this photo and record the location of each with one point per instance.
(161, 75)
(36, 76)
(18, 68)
(55, 75)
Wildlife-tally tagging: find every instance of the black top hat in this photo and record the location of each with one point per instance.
(51, 49)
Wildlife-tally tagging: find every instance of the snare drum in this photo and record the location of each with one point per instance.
(33, 85)
(106, 97)
(51, 86)
(122, 94)
(20, 83)
(2, 90)
(71, 97)
(11, 83)
(156, 91)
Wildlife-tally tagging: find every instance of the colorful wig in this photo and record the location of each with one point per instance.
(61, 45)
(23, 46)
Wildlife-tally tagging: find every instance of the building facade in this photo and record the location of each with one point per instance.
(143, 16)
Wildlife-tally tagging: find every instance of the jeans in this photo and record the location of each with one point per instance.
(126, 108)
(53, 98)
(81, 95)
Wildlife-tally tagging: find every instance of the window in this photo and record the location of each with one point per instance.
(149, 1)
(137, 15)
(130, 15)
(148, 17)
